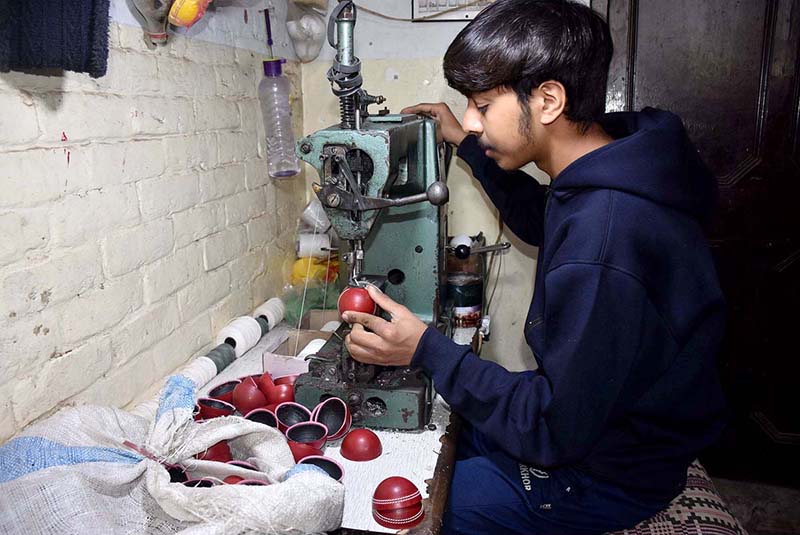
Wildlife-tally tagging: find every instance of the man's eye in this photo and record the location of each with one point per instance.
(482, 109)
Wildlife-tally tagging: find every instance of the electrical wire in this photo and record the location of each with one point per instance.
(425, 17)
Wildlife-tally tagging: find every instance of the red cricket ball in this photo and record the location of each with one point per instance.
(357, 300)
(397, 503)
(361, 445)
(247, 396)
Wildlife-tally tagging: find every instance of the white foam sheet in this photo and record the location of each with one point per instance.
(412, 455)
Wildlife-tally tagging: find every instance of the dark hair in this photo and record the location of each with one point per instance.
(519, 44)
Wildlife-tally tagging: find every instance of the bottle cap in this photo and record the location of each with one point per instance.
(272, 67)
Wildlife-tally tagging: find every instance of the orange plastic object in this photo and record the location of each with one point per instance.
(186, 12)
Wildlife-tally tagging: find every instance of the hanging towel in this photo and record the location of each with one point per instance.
(63, 34)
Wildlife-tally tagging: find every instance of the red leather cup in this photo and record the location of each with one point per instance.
(219, 452)
(224, 392)
(334, 413)
(312, 433)
(214, 408)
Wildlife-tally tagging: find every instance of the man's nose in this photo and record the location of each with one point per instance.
(472, 121)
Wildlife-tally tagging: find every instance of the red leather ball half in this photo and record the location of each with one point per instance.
(301, 451)
(264, 382)
(247, 396)
(397, 503)
(279, 394)
(361, 445)
(219, 452)
(356, 300)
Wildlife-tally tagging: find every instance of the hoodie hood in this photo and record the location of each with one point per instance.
(651, 157)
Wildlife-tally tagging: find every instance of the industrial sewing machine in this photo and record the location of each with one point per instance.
(382, 187)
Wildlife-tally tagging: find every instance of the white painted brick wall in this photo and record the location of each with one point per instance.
(136, 219)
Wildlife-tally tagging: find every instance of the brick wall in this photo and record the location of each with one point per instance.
(136, 219)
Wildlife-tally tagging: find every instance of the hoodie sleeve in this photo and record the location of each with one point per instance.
(517, 195)
(596, 321)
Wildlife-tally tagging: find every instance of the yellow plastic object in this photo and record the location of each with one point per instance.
(186, 12)
(311, 268)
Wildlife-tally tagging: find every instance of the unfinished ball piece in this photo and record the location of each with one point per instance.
(335, 415)
(301, 451)
(224, 392)
(354, 299)
(361, 445)
(397, 504)
(214, 408)
(247, 396)
(219, 452)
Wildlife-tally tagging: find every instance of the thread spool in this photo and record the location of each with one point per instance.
(242, 333)
(313, 245)
(460, 239)
(311, 348)
(315, 217)
(273, 310)
(466, 290)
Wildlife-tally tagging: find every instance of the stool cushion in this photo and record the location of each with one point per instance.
(698, 510)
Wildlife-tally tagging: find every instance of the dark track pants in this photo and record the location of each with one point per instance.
(493, 493)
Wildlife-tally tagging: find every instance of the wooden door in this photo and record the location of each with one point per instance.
(730, 68)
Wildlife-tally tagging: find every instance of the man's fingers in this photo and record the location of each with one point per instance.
(423, 107)
(384, 301)
(366, 339)
(373, 323)
(359, 353)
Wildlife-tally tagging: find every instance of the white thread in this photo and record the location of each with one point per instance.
(315, 217)
(274, 310)
(244, 331)
(315, 245)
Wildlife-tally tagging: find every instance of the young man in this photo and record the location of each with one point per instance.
(627, 314)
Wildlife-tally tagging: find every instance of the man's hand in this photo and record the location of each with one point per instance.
(391, 343)
(449, 125)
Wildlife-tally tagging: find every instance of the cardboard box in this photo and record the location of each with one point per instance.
(283, 360)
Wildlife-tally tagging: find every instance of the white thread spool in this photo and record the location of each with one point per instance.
(273, 310)
(460, 239)
(311, 348)
(313, 245)
(331, 326)
(244, 332)
(315, 217)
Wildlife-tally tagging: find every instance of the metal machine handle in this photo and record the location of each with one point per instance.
(437, 194)
(463, 251)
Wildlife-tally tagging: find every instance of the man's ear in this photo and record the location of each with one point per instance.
(553, 101)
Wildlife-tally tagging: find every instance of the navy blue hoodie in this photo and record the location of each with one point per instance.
(626, 318)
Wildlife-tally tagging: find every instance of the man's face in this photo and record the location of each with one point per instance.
(504, 132)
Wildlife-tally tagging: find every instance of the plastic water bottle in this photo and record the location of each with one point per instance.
(273, 92)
